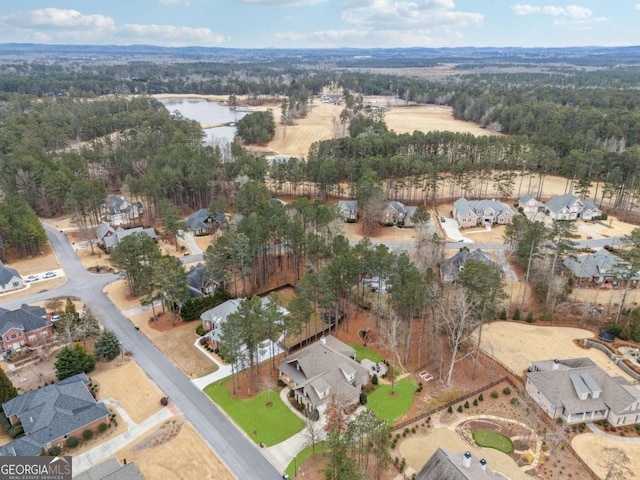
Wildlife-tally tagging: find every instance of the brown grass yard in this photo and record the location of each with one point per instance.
(159, 455)
(131, 387)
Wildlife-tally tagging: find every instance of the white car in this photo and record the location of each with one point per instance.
(32, 278)
(49, 275)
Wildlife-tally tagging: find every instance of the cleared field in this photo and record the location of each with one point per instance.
(427, 118)
(590, 447)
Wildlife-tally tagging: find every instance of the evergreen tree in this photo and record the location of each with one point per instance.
(7, 390)
(107, 346)
(73, 360)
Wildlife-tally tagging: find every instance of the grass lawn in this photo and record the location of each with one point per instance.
(491, 439)
(390, 408)
(364, 352)
(272, 424)
(302, 456)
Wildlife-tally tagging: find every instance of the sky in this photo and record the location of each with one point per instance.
(322, 23)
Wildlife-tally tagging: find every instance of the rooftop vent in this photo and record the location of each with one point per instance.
(466, 459)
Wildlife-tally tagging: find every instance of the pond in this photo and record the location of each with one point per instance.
(208, 113)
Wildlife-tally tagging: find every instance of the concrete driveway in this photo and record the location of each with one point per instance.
(452, 230)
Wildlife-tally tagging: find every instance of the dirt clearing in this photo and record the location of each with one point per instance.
(590, 447)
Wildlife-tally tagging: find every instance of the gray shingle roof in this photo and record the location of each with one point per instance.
(447, 465)
(197, 281)
(6, 274)
(326, 365)
(465, 206)
(103, 229)
(599, 264)
(556, 204)
(557, 386)
(52, 412)
(111, 470)
(452, 267)
(26, 318)
(202, 218)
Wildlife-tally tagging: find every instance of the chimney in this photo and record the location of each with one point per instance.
(466, 459)
(323, 340)
(483, 464)
(556, 364)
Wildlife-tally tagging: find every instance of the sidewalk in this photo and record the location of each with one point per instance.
(597, 431)
(99, 453)
(222, 372)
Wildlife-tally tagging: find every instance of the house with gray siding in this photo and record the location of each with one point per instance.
(474, 213)
(570, 207)
(10, 279)
(577, 390)
(323, 370)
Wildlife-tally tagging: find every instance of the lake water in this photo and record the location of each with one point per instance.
(207, 112)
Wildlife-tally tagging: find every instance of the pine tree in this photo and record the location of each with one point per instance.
(107, 346)
(7, 390)
(73, 360)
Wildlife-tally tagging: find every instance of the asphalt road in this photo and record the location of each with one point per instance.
(240, 454)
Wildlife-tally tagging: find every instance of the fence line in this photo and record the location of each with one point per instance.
(613, 356)
(580, 461)
(449, 404)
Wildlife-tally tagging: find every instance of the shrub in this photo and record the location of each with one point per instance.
(481, 398)
(87, 434)
(450, 409)
(203, 341)
(72, 442)
(506, 391)
(374, 379)
(281, 383)
(459, 408)
(15, 431)
(545, 316)
(314, 415)
(200, 331)
(514, 401)
(292, 393)
(475, 402)
(55, 451)
(503, 314)
(495, 394)
(530, 318)
(164, 401)
(363, 398)
(102, 427)
(516, 314)
(466, 404)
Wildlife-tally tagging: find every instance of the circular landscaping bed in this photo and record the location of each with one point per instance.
(492, 439)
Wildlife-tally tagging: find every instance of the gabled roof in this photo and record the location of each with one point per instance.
(395, 205)
(121, 233)
(104, 229)
(452, 266)
(562, 386)
(527, 197)
(599, 264)
(114, 203)
(348, 204)
(7, 274)
(27, 318)
(196, 280)
(52, 412)
(447, 465)
(202, 218)
(472, 207)
(324, 366)
(556, 204)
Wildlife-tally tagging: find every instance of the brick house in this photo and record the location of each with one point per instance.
(25, 326)
(51, 414)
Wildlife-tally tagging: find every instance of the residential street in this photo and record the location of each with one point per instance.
(239, 453)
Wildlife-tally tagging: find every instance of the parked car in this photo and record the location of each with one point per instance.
(32, 278)
(49, 275)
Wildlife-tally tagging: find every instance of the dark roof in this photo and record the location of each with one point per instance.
(600, 264)
(52, 412)
(202, 217)
(465, 206)
(6, 274)
(564, 201)
(26, 318)
(454, 265)
(197, 281)
(111, 470)
(448, 465)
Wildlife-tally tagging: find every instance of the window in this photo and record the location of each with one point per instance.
(15, 284)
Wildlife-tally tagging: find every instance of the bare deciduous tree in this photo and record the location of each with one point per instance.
(616, 464)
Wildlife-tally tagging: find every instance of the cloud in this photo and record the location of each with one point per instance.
(53, 25)
(56, 18)
(186, 3)
(407, 15)
(571, 15)
(281, 3)
(571, 11)
(637, 6)
(171, 35)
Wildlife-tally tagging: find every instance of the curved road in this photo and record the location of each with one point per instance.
(239, 453)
